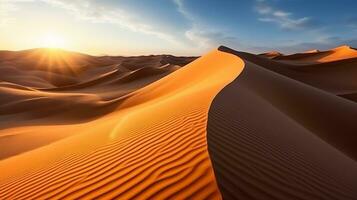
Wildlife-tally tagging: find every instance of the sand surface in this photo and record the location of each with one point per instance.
(271, 137)
(101, 84)
(151, 146)
(316, 56)
(229, 124)
(333, 71)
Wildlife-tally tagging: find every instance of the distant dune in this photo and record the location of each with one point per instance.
(100, 85)
(229, 124)
(316, 56)
(333, 71)
(271, 54)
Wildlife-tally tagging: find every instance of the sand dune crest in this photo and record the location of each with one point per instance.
(152, 146)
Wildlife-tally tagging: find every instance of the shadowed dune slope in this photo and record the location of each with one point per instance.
(153, 146)
(271, 137)
(352, 96)
(335, 76)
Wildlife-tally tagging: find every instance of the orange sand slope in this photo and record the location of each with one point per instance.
(153, 145)
(56, 87)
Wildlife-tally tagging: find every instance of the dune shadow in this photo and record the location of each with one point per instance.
(267, 134)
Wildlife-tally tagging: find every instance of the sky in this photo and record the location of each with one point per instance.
(179, 27)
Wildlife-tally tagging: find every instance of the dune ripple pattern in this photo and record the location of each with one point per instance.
(151, 146)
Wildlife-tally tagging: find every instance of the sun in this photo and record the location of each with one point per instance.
(53, 41)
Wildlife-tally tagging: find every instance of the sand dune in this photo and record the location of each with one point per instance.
(316, 56)
(312, 51)
(100, 82)
(271, 54)
(351, 96)
(229, 124)
(271, 137)
(336, 76)
(101, 85)
(56, 68)
(152, 146)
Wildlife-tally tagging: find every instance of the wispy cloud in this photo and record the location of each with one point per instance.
(263, 8)
(323, 43)
(208, 39)
(281, 17)
(202, 37)
(6, 7)
(97, 13)
(93, 11)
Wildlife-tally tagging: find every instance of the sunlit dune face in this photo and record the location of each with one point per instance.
(53, 41)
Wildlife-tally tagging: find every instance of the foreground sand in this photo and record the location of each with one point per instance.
(152, 146)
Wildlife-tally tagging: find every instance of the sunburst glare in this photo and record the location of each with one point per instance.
(52, 40)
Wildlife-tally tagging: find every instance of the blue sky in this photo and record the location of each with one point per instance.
(181, 27)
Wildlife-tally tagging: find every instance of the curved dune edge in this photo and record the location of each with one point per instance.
(153, 146)
(259, 150)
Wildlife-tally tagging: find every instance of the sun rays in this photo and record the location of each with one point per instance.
(57, 61)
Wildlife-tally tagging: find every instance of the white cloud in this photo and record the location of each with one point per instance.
(263, 8)
(280, 13)
(182, 10)
(202, 38)
(94, 12)
(284, 19)
(91, 11)
(287, 23)
(205, 39)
